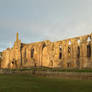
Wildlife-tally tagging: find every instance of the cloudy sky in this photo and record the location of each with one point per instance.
(38, 20)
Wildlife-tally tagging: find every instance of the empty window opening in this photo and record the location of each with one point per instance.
(32, 52)
(12, 62)
(69, 50)
(60, 52)
(89, 39)
(25, 53)
(78, 55)
(89, 50)
(60, 55)
(78, 41)
(60, 48)
(69, 43)
(44, 45)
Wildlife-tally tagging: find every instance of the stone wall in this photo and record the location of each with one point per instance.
(70, 53)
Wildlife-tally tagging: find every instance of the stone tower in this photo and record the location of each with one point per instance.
(17, 50)
(17, 36)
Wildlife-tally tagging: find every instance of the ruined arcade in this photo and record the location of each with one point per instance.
(70, 53)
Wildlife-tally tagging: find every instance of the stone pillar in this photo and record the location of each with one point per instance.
(83, 52)
(74, 52)
(64, 47)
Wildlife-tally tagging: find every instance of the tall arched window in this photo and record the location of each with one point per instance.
(60, 52)
(69, 43)
(88, 50)
(69, 47)
(78, 41)
(89, 39)
(69, 50)
(78, 53)
(25, 53)
(32, 52)
(60, 55)
(44, 45)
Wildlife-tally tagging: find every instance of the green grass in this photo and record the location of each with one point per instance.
(29, 83)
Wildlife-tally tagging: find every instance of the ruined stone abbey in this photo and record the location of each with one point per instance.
(70, 53)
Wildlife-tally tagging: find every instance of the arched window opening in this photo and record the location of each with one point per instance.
(60, 55)
(69, 50)
(78, 54)
(12, 62)
(32, 52)
(78, 42)
(60, 48)
(25, 53)
(69, 43)
(44, 45)
(60, 52)
(89, 50)
(89, 39)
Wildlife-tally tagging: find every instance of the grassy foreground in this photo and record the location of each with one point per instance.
(29, 83)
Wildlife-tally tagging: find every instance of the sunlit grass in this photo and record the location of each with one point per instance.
(29, 83)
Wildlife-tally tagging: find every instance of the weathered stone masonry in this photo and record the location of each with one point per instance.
(71, 53)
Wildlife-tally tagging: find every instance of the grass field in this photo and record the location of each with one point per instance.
(29, 83)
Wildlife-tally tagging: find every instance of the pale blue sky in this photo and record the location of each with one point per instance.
(38, 20)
